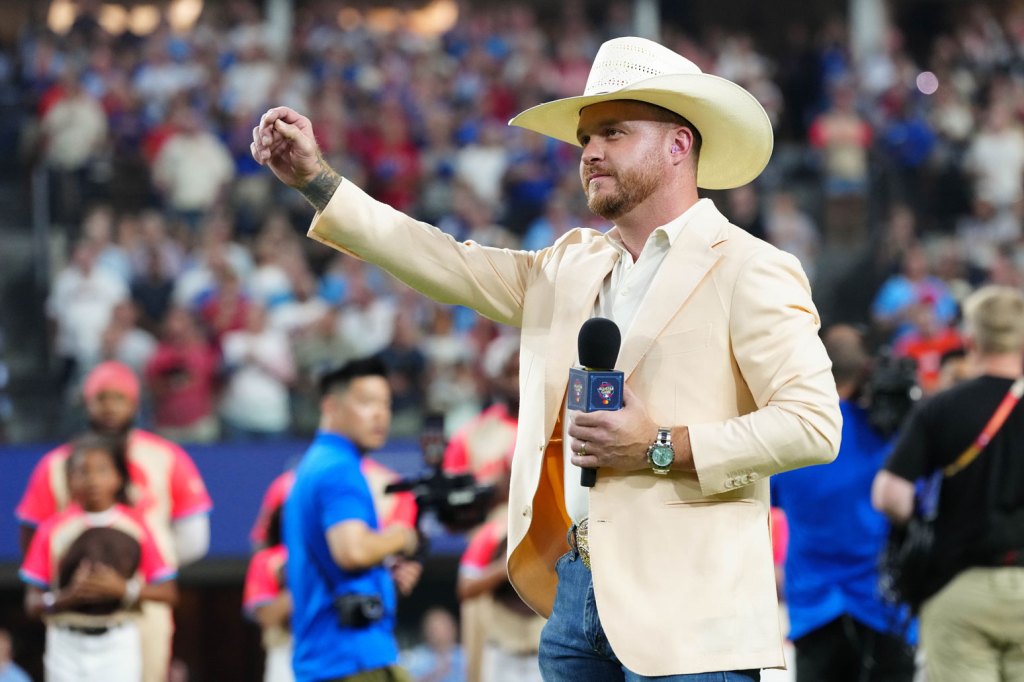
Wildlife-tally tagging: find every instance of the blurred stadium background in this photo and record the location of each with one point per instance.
(897, 180)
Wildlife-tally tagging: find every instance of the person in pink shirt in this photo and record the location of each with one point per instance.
(267, 601)
(165, 489)
(90, 567)
(181, 375)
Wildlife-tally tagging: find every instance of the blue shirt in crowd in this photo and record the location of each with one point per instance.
(11, 672)
(329, 488)
(835, 536)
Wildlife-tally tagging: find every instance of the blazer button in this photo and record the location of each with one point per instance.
(527, 511)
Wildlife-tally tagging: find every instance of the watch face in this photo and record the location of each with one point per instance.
(662, 456)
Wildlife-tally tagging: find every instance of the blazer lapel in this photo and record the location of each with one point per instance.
(686, 264)
(580, 275)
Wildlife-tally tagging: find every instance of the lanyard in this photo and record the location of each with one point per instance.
(993, 425)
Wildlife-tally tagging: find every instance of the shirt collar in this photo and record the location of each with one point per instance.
(669, 231)
(336, 441)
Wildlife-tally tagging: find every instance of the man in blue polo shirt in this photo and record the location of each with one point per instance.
(841, 628)
(343, 593)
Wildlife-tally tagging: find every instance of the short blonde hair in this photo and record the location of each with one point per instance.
(994, 318)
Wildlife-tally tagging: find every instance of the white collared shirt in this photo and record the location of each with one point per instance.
(619, 298)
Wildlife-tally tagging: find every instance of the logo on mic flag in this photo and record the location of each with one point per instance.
(606, 391)
(577, 390)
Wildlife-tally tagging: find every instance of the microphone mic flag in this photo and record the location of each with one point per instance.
(596, 385)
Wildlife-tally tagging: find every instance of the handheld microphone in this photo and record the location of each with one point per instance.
(596, 386)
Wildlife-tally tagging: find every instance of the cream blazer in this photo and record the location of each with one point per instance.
(725, 342)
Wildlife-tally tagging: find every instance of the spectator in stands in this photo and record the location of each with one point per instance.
(392, 160)
(840, 625)
(181, 377)
(318, 348)
(407, 374)
(277, 255)
(81, 302)
(151, 291)
(844, 137)
(915, 284)
(791, 229)
(125, 342)
(91, 567)
(224, 306)
(9, 670)
(98, 229)
(192, 169)
(261, 370)
(73, 136)
(439, 658)
(481, 165)
(744, 209)
(166, 489)
(995, 163)
(304, 308)
(928, 343)
(159, 78)
(155, 242)
(366, 321)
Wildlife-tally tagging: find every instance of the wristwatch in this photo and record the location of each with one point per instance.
(661, 454)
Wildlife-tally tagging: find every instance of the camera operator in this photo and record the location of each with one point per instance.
(338, 555)
(971, 625)
(841, 628)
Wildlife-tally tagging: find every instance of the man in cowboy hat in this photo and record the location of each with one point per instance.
(669, 569)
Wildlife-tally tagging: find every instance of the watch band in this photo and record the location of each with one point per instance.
(663, 441)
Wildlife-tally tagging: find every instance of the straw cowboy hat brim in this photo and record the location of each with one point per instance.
(736, 135)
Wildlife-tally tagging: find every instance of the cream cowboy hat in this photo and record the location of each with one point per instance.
(735, 131)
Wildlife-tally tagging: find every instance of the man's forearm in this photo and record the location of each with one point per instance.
(320, 189)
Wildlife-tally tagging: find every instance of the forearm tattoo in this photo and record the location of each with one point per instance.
(320, 189)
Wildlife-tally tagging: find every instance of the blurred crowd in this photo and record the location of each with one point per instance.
(897, 181)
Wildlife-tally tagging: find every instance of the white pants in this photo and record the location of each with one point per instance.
(501, 666)
(279, 664)
(115, 656)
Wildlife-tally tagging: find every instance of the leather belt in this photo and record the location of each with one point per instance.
(92, 631)
(578, 541)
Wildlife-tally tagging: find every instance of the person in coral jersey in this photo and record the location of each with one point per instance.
(267, 601)
(396, 508)
(90, 567)
(165, 488)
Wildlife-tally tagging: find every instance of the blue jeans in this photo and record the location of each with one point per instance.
(573, 645)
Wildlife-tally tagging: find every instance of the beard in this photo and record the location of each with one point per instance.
(632, 187)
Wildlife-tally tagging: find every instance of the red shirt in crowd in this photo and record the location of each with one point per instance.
(183, 383)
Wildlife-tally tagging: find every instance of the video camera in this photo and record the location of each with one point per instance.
(457, 501)
(890, 391)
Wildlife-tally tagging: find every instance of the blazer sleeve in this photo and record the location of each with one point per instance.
(492, 281)
(773, 327)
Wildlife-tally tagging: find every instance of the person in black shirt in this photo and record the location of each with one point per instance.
(971, 626)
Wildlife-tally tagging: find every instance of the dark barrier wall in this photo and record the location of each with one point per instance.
(236, 474)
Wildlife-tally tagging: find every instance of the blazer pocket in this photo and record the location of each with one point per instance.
(681, 343)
